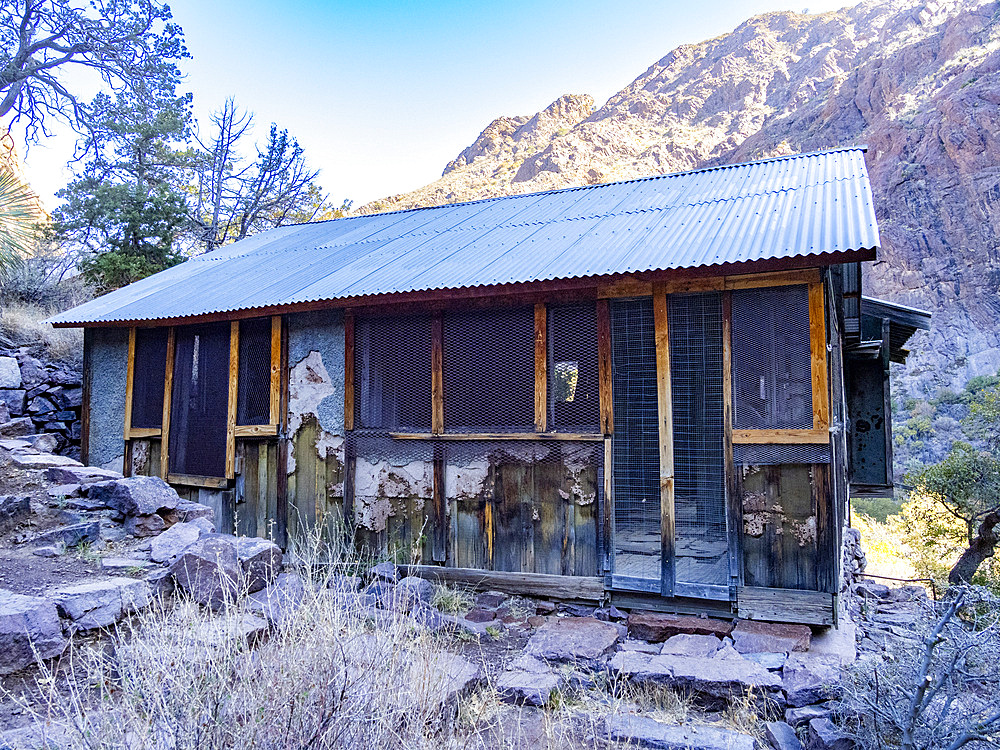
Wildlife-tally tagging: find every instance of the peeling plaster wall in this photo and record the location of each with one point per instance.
(108, 372)
(316, 380)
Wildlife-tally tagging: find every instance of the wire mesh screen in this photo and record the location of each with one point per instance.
(772, 375)
(200, 401)
(773, 455)
(148, 377)
(253, 395)
(574, 399)
(489, 370)
(636, 442)
(701, 544)
(392, 365)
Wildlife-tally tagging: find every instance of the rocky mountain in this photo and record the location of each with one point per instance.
(916, 81)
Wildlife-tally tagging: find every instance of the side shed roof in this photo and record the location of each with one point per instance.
(802, 206)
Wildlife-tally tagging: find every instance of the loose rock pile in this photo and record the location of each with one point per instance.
(40, 402)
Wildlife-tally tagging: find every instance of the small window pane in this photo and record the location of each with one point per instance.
(148, 377)
(489, 370)
(392, 372)
(772, 370)
(253, 395)
(199, 403)
(574, 398)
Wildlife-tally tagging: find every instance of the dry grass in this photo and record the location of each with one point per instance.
(23, 325)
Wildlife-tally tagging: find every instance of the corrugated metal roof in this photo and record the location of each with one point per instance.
(788, 207)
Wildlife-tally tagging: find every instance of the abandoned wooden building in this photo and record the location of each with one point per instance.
(657, 392)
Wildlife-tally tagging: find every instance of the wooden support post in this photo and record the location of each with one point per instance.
(275, 403)
(437, 376)
(234, 369)
(129, 380)
(817, 346)
(734, 507)
(666, 429)
(281, 483)
(439, 545)
(541, 368)
(609, 504)
(168, 391)
(348, 372)
(604, 367)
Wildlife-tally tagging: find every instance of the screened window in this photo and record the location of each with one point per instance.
(574, 400)
(200, 401)
(393, 373)
(772, 367)
(489, 370)
(149, 372)
(253, 400)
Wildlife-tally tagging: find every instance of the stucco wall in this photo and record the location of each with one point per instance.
(108, 369)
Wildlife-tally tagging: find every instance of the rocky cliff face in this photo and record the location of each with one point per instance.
(916, 81)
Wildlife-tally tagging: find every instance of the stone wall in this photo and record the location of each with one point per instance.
(40, 398)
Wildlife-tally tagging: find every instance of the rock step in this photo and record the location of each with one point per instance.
(642, 731)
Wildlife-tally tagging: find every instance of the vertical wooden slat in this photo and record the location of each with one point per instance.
(734, 508)
(604, 366)
(817, 342)
(168, 390)
(234, 369)
(88, 351)
(281, 480)
(439, 548)
(608, 504)
(348, 372)
(666, 428)
(275, 405)
(129, 379)
(437, 376)
(541, 368)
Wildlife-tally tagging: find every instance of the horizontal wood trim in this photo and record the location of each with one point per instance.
(144, 433)
(780, 278)
(629, 287)
(589, 588)
(517, 293)
(781, 437)
(256, 430)
(786, 605)
(460, 436)
(681, 286)
(192, 480)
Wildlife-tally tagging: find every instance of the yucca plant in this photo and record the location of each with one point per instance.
(18, 215)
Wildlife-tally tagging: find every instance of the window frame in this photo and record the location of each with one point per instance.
(234, 431)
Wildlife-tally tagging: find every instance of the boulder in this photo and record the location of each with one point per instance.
(172, 542)
(278, 602)
(10, 373)
(823, 734)
(187, 511)
(40, 735)
(63, 492)
(147, 524)
(80, 475)
(161, 582)
(715, 681)
(4, 412)
(442, 677)
(384, 572)
(643, 731)
(491, 599)
(101, 603)
(70, 536)
(135, 496)
(811, 678)
(344, 584)
(45, 442)
(643, 647)
(871, 590)
(582, 639)
(19, 428)
(656, 627)
(752, 636)
(260, 561)
(14, 508)
(799, 716)
(481, 615)
(781, 736)
(684, 644)
(209, 570)
(531, 688)
(48, 550)
(29, 625)
(14, 400)
(772, 662)
(413, 590)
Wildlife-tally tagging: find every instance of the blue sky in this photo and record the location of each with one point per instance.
(383, 94)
